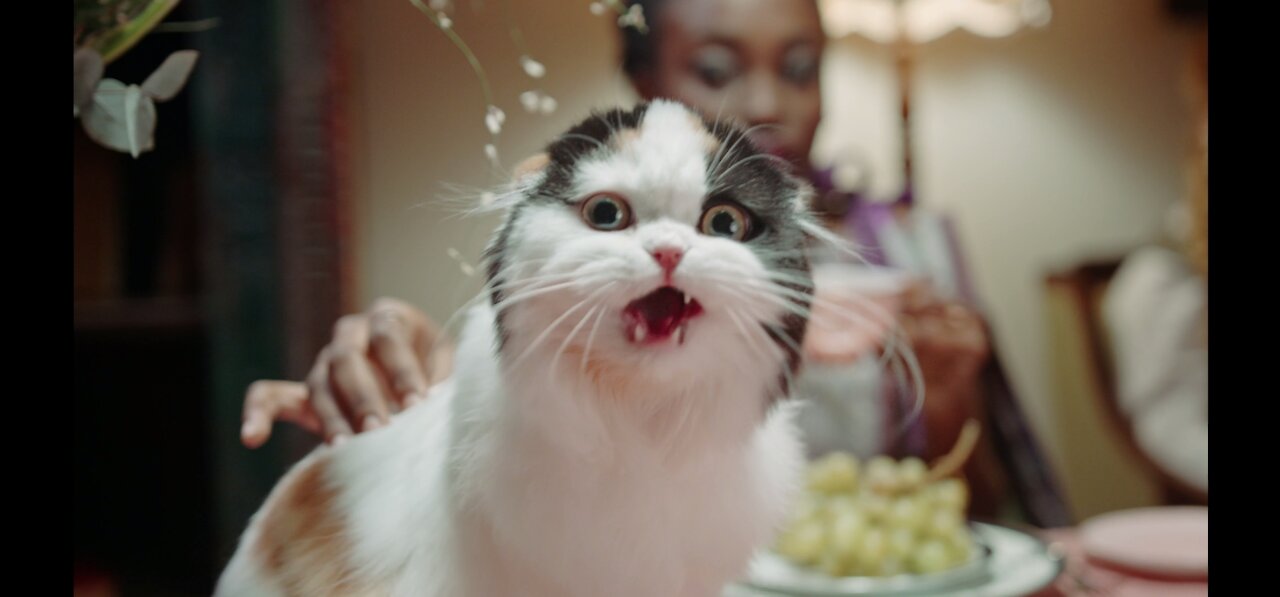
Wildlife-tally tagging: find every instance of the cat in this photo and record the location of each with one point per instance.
(617, 422)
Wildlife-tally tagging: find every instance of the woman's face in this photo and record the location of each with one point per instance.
(756, 60)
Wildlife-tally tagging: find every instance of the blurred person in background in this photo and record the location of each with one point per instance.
(1156, 312)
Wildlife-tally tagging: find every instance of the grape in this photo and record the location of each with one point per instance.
(951, 494)
(834, 473)
(833, 564)
(901, 542)
(882, 474)
(880, 519)
(943, 523)
(840, 503)
(891, 566)
(804, 542)
(873, 548)
(960, 543)
(847, 530)
(931, 556)
(906, 512)
(912, 472)
(807, 506)
(875, 505)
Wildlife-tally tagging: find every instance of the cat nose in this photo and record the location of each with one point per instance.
(667, 257)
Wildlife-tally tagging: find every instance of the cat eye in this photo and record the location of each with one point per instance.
(726, 220)
(606, 212)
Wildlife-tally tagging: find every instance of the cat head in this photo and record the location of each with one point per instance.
(656, 241)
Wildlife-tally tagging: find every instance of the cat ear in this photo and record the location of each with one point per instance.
(531, 165)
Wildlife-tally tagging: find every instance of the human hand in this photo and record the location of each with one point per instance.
(951, 344)
(379, 362)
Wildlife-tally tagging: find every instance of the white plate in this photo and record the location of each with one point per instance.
(1168, 541)
(1012, 564)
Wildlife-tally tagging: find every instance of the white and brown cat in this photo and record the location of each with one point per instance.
(615, 422)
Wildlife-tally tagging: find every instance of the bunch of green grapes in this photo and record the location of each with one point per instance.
(884, 519)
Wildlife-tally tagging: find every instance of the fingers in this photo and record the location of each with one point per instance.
(375, 362)
(431, 354)
(918, 293)
(268, 401)
(393, 353)
(352, 377)
(949, 340)
(325, 404)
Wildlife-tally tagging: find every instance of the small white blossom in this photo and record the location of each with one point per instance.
(547, 105)
(491, 152)
(634, 17)
(598, 8)
(532, 67)
(493, 119)
(445, 21)
(530, 101)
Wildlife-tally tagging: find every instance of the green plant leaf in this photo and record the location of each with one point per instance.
(115, 42)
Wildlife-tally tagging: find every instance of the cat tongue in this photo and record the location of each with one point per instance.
(659, 313)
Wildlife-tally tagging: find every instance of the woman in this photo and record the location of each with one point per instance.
(756, 60)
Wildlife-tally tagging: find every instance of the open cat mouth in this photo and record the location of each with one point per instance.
(659, 315)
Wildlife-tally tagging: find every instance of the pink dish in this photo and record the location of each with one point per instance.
(1166, 541)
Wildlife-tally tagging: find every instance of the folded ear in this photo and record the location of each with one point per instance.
(532, 165)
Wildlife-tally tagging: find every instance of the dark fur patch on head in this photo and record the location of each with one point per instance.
(585, 138)
(495, 257)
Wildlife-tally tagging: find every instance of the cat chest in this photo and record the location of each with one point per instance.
(627, 516)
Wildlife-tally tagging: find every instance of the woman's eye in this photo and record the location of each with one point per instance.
(716, 67)
(800, 66)
(606, 212)
(727, 221)
(713, 76)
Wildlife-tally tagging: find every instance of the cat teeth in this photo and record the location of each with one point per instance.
(680, 333)
(687, 299)
(639, 333)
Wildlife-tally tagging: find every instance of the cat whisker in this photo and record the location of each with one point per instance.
(736, 142)
(896, 352)
(817, 231)
(555, 360)
(798, 279)
(754, 341)
(502, 282)
(586, 351)
(515, 299)
(878, 314)
(446, 330)
(546, 332)
(759, 156)
(786, 305)
(598, 143)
